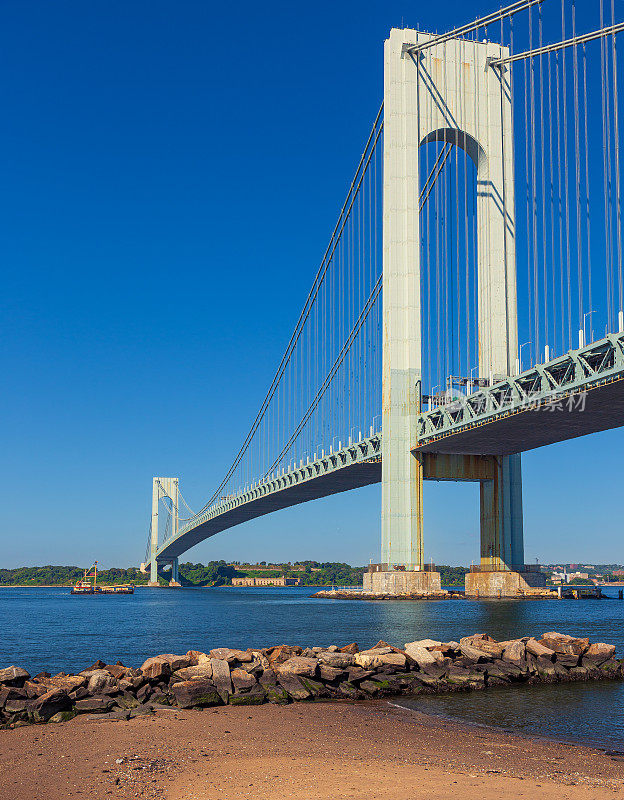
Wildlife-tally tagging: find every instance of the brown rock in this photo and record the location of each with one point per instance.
(11, 693)
(562, 643)
(242, 679)
(281, 653)
(199, 692)
(34, 690)
(349, 648)
(13, 676)
(419, 653)
(68, 683)
(483, 642)
(600, 650)
(156, 669)
(298, 665)
(195, 656)
(203, 670)
(513, 650)
(51, 703)
(293, 686)
(339, 660)
(100, 681)
(116, 670)
(221, 678)
(94, 705)
(331, 673)
(538, 650)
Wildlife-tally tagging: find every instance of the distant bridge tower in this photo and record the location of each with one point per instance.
(161, 488)
(447, 93)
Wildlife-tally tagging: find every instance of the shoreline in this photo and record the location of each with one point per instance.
(363, 750)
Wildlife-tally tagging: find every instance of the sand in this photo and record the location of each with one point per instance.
(312, 751)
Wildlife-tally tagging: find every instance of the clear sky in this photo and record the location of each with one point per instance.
(171, 174)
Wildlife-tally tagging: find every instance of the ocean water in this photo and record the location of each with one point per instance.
(49, 629)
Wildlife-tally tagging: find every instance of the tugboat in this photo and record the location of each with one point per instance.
(84, 586)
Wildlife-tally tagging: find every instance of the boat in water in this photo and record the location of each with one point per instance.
(85, 586)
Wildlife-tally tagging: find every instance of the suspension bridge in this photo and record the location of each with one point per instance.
(469, 305)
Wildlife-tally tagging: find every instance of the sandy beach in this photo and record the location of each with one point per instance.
(320, 750)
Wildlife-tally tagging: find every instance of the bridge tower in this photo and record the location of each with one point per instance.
(161, 488)
(444, 92)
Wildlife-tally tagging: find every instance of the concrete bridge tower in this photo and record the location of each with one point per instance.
(161, 488)
(449, 93)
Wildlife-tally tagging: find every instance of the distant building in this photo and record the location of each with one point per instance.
(281, 580)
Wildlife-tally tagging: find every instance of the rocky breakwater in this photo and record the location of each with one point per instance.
(284, 673)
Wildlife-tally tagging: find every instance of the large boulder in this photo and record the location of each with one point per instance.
(69, 683)
(538, 650)
(599, 651)
(299, 665)
(419, 653)
(564, 644)
(50, 704)
(11, 693)
(198, 692)
(513, 650)
(281, 653)
(349, 648)
(94, 705)
(483, 642)
(100, 681)
(473, 653)
(221, 678)
(202, 670)
(292, 684)
(230, 655)
(338, 660)
(242, 680)
(13, 676)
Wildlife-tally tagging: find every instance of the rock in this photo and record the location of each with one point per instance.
(62, 716)
(347, 689)
(513, 650)
(196, 656)
(564, 644)
(11, 693)
(237, 655)
(18, 705)
(293, 686)
(268, 678)
(203, 670)
(339, 660)
(281, 653)
(68, 683)
(538, 650)
(116, 670)
(370, 687)
(428, 643)
(568, 660)
(315, 688)
(242, 680)
(254, 697)
(100, 681)
(599, 650)
(97, 665)
(221, 678)
(156, 668)
(331, 673)
(474, 653)
(94, 705)
(144, 692)
(298, 665)
(198, 692)
(357, 674)
(419, 653)
(50, 703)
(34, 689)
(13, 676)
(381, 645)
(349, 648)
(276, 694)
(484, 643)
(611, 668)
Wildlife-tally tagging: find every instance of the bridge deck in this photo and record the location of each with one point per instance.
(354, 466)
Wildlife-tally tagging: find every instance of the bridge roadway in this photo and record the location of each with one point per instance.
(357, 464)
(575, 394)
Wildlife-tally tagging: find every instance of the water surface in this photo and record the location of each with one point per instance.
(52, 630)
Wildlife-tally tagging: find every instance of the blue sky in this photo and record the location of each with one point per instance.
(171, 175)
